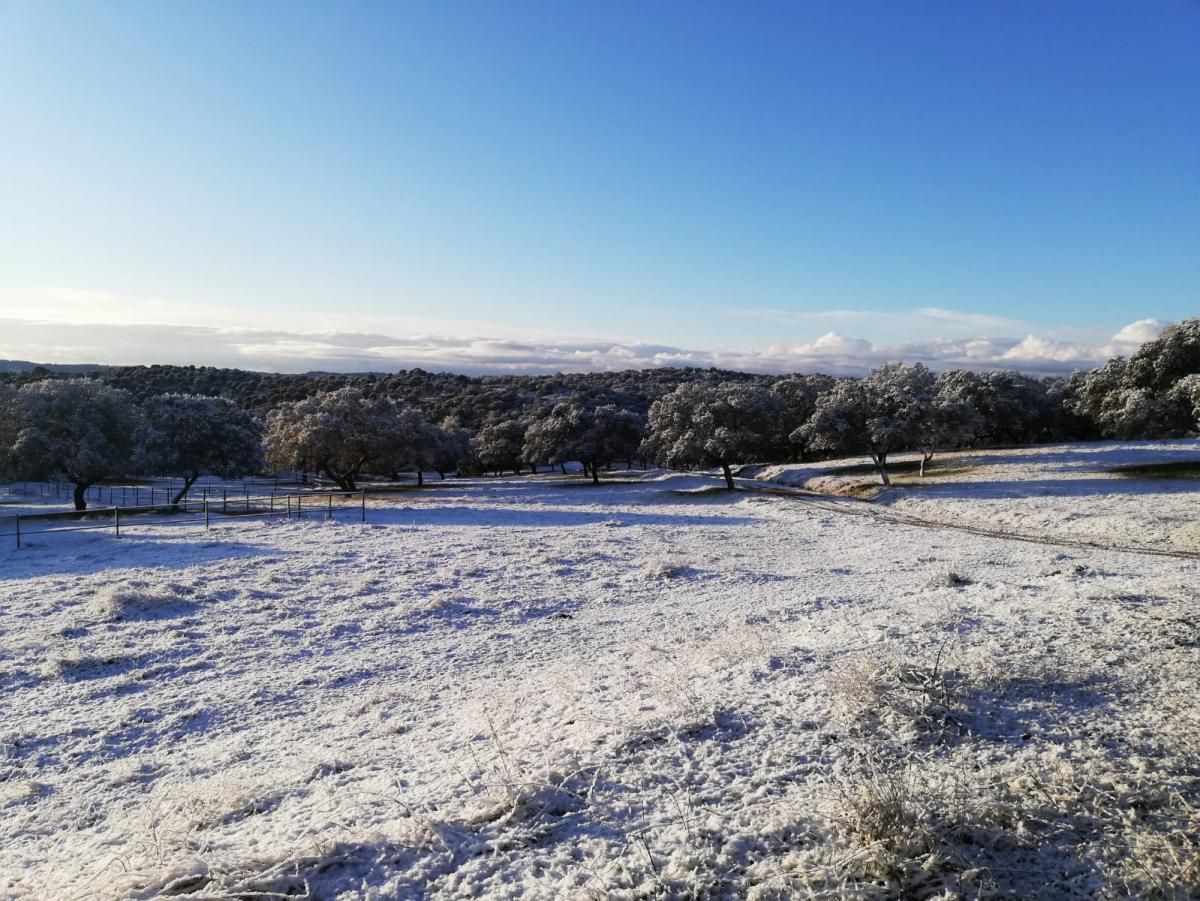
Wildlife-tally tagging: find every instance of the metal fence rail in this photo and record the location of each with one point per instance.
(189, 511)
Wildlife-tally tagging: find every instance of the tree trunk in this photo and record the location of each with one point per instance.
(563, 468)
(188, 482)
(81, 496)
(926, 456)
(533, 468)
(595, 475)
(880, 461)
(420, 478)
(728, 476)
(345, 482)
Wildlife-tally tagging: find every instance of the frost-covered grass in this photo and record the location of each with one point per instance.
(510, 690)
(1070, 491)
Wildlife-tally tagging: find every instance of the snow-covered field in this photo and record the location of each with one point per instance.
(1063, 491)
(509, 688)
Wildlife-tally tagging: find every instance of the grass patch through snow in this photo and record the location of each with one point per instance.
(1174, 469)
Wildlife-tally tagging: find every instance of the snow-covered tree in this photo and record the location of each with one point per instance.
(1186, 394)
(1110, 397)
(618, 434)
(10, 424)
(1014, 407)
(949, 421)
(1128, 412)
(594, 436)
(339, 433)
(410, 442)
(1148, 395)
(714, 425)
(453, 450)
(799, 394)
(78, 429)
(188, 436)
(879, 414)
(499, 445)
(1158, 365)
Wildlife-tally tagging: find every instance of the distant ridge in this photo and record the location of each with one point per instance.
(27, 366)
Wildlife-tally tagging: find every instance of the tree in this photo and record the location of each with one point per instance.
(411, 441)
(713, 425)
(79, 429)
(618, 433)
(498, 445)
(879, 414)
(337, 432)
(545, 437)
(594, 436)
(799, 394)
(1141, 397)
(1111, 398)
(1158, 365)
(949, 420)
(1014, 408)
(453, 447)
(1186, 393)
(10, 423)
(188, 436)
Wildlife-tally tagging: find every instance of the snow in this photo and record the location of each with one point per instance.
(509, 688)
(1066, 492)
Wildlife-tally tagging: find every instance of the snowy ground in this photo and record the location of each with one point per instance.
(1062, 491)
(514, 689)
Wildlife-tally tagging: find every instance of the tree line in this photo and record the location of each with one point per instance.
(188, 422)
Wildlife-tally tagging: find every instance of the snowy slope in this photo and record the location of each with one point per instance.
(1065, 491)
(515, 689)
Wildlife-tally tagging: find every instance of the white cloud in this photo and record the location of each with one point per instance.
(292, 351)
(63, 326)
(1130, 338)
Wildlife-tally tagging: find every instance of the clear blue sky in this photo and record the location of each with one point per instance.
(637, 170)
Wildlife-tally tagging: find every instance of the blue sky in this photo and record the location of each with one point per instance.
(732, 181)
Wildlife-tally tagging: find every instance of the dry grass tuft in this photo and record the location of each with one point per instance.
(666, 565)
(138, 600)
(903, 698)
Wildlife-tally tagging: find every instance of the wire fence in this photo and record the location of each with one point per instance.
(155, 491)
(189, 511)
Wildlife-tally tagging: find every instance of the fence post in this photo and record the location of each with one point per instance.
(247, 490)
(364, 505)
(206, 514)
(329, 511)
(18, 531)
(272, 501)
(224, 500)
(117, 520)
(299, 497)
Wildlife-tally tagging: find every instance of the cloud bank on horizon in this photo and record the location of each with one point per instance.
(303, 350)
